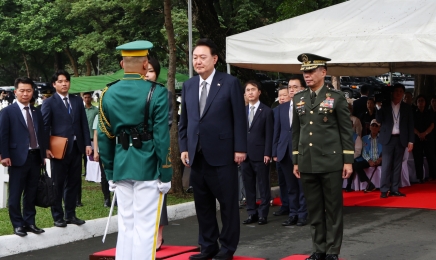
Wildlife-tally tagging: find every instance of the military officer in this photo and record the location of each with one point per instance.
(322, 154)
(134, 149)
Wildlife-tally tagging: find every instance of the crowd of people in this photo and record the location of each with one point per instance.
(316, 138)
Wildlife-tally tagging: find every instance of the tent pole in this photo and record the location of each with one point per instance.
(191, 73)
(228, 68)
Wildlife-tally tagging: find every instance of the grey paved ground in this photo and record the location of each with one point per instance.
(370, 233)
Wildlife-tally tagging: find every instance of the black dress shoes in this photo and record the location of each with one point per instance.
(348, 189)
(222, 256)
(251, 219)
(202, 256)
(60, 223)
(281, 212)
(301, 222)
(20, 231)
(34, 229)
(291, 221)
(383, 195)
(75, 221)
(317, 256)
(107, 203)
(190, 189)
(79, 204)
(331, 257)
(262, 221)
(397, 194)
(371, 187)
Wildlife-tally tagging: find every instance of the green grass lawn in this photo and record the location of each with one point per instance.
(92, 199)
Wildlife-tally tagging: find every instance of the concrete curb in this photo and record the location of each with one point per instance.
(13, 244)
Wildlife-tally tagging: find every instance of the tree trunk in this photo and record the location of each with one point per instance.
(177, 186)
(88, 67)
(72, 61)
(25, 64)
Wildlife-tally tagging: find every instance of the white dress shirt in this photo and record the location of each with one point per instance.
(209, 83)
(291, 105)
(256, 106)
(396, 118)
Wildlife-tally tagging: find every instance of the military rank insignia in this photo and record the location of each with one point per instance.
(301, 110)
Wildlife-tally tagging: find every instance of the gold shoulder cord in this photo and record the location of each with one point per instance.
(102, 119)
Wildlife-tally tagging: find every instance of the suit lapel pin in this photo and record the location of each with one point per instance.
(218, 84)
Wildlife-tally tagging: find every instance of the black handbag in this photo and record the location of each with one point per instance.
(46, 195)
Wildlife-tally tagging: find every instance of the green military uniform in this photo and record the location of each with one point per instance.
(123, 105)
(322, 143)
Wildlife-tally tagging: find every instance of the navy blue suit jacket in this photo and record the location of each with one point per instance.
(260, 133)
(359, 106)
(385, 117)
(282, 132)
(58, 122)
(15, 137)
(222, 129)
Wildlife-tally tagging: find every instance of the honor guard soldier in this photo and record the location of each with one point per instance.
(134, 142)
(323, 153)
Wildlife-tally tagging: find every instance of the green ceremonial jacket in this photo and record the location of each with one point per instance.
(122, 107)
(321, 134)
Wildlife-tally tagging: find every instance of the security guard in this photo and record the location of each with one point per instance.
(134, 142)
(322, 154)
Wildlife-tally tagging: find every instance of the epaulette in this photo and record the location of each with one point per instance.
(335, 90)
(157, 83)
(301, 91)
(113, 82)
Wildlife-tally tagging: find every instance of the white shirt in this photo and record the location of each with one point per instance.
(24, 112)
(396, 118)
(256, 106)
(291, 104)
(62, 97)
(209, 83)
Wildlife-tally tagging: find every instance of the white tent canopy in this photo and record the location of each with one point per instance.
(362, 37)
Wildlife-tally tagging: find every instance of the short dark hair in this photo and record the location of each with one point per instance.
(55, 76)
(254, 83)
(87, 93)
(364, 90)
(209, 43)
(421, 96)
(371, 99)
(399, 85)
(300, 78)
(23, 80)
(155, 64)
(283, 87)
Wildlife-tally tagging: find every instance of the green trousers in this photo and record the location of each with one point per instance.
(324, 200)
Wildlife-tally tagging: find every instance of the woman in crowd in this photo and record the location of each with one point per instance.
(152, 75)
(357, 125)
(368, 116)
(424, 139)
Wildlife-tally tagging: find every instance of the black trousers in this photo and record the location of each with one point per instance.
(23, 180)
(213, 183)
(104, 183)
(66, 174)
(419, 149)
(324, 203)
(393, 153)
(359, 167)
(255, 172)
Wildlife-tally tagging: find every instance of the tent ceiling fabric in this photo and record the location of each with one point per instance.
(362, 37)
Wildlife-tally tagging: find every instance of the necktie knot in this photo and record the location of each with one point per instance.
(313, 97)
(26, 108)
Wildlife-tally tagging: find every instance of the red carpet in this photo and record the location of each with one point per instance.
(419, 196)
(299, 257)
(163, 253)
(186, 257)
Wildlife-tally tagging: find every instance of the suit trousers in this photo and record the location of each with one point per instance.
(419, 149)
(104, 183)
(393, 153)
(359, 168)
(255, 172)
(23, 180)
(324, 203)
(283, 188)
(213, 183)
(139, 209)
(66, 174)
(296, 198)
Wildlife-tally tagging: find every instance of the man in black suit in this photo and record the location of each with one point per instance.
(359, 105)
(396, 133)
(64, 115)
(22, 148)
(213, 140)
(260, 121)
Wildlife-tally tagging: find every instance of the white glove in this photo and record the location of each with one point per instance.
(112, 185)
(164, 187)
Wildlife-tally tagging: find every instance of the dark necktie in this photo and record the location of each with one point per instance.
(67, 105)
(32, 135)
(313, 97)
(203, 97)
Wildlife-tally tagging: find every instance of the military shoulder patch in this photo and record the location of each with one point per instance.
(113, 82)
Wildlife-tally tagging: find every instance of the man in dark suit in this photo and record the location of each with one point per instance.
(255, 168)
(64, 115)
(282, 153)
(23, 151)
(359, 105)
(213, 140)
(396, 133)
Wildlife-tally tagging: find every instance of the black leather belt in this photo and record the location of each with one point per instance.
(144, 137)
(34, 151)
(396, 135)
